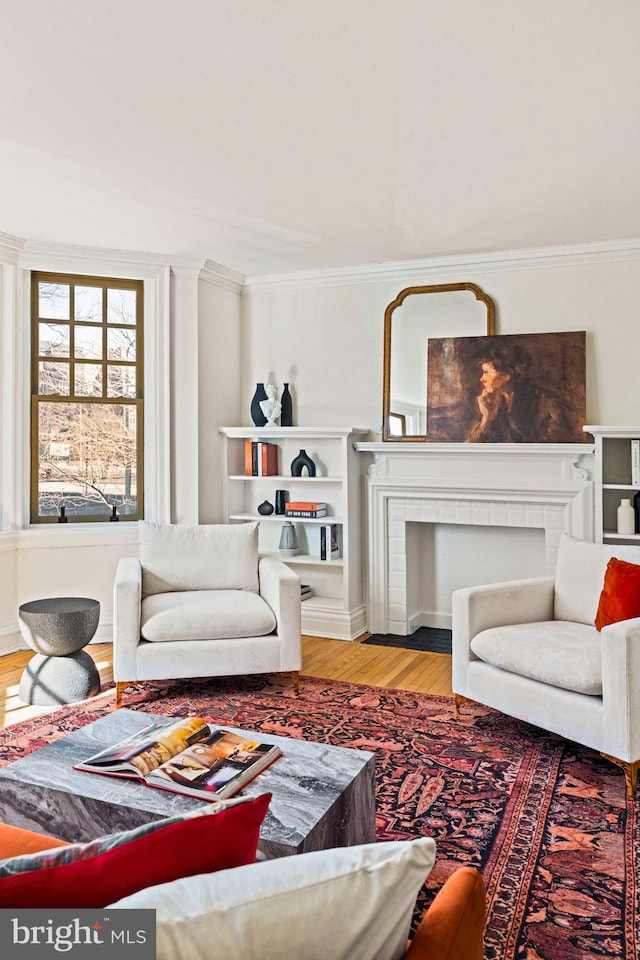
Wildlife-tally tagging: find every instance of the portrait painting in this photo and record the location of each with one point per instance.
(518, 388)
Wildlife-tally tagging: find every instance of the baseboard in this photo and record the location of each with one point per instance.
(11, 639)
(442, 621)
(334, 624)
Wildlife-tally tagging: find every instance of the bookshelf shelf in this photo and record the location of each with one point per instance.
(613, 478)
(336, 608)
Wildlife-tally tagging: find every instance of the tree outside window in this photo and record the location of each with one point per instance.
(87, 397)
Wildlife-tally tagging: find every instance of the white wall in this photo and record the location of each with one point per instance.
(219, 395)
(327, 338)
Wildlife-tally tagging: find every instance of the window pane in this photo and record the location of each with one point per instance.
(88, 343)
(53, 340)
(53, 378)
(121, 381)
(87, 380)
(87, 458)
(88, 304)
(121, 306)
(121, 344)
(53, 301)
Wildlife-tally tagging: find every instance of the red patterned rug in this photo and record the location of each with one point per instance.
(545, 821)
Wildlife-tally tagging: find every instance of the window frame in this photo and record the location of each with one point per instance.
(103, 283)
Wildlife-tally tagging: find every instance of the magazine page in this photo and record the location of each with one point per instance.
(221, 764)
(145, 750)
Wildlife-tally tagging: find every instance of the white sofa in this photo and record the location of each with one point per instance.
(530, 649)
(199, 602)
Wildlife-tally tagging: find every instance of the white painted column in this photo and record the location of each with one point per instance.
(185, 470)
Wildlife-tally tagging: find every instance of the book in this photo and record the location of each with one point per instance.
(635, 463)
(267, 459)
(187, 756)
(304, 513)
(260, 459)
(329, 541)
(305, 505)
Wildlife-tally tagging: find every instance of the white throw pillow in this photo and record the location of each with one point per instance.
(205, 615)
(204, 557)
(580, 571)
(349, 903)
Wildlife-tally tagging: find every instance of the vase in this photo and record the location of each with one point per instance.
(257, 415)
(286, 413)
(626, 518)
(265, 509)
(281, 499)
(288, 545)
(300, 462)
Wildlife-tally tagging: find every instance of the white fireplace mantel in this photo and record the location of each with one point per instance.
(546, 486)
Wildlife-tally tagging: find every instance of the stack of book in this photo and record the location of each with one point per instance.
(260, 459)
(305, 508)
(305, 591)
(329, 541)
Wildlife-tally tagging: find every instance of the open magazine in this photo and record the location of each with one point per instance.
(187, 756)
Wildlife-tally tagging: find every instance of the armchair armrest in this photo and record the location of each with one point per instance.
(621, 689)
(495, 605)
(453, 926)
(127, 597)
(280, 588)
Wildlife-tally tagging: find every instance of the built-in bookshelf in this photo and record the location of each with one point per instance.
(615, 478)
(336, 607)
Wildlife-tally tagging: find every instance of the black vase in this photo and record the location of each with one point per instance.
(286, 414)
(281, 499)
(257, 415)
(265, 509)
(300, 462)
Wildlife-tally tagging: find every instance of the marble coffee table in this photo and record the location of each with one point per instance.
(323, 796)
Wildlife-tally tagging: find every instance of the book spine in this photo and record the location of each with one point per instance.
(635, 463)
(254, 458)
(269, 459)
(323, 542)
(248, 458)
(305, 505)
(305, 513)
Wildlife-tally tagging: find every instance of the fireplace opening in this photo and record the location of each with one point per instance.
(442, 557)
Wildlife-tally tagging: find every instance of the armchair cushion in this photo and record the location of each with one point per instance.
(562, 654)
(348, 903)
(205, 615)
(202, 557)
(620, 597)
(580, 572)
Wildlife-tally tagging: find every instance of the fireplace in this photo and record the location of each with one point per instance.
(538, 489)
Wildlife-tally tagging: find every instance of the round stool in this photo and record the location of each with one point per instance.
(57, 629)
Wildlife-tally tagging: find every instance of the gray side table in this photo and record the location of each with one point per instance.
(57, 629)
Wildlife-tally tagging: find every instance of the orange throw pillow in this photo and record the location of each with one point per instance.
(620, 597)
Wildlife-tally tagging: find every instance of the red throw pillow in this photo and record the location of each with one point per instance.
(105, 870)
(620, 597)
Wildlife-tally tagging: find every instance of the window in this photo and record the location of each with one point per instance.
(87, 398)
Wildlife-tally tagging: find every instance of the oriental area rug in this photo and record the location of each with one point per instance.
(545, 821)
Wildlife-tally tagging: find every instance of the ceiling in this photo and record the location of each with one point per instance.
(286, 135)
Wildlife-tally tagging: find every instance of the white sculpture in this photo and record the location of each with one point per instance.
(271, 407)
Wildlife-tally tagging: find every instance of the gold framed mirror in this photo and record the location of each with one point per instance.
(447, 310)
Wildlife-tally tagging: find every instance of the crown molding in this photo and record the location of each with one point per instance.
(221, 276)
(410, 272)
(10, 248)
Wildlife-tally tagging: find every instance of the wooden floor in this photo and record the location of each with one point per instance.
(329, 659)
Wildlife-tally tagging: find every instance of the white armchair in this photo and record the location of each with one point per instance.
(199, 602)
(530, 648)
